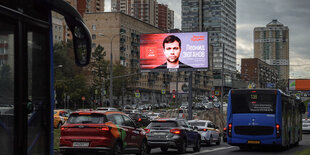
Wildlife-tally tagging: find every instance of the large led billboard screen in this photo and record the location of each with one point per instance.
(174, 51)
(299, 84)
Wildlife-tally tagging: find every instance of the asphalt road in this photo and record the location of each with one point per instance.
(224, 148)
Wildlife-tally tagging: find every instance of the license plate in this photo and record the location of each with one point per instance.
(159, 133)
(253, 142)
(79, 144)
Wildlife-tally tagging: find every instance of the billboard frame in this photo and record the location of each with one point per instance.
(177, 69)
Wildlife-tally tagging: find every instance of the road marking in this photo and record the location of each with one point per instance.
(216, 149)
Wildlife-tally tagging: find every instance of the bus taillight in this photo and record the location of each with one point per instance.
(278, 130)
(229, 129)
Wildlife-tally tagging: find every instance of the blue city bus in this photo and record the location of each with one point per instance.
(308, 110)
(26, 72)
(257, 117)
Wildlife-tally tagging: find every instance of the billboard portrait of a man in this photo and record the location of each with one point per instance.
(172, 51)
(164, 52)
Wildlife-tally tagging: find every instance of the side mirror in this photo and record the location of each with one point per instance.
(80, 33)
(81, 41)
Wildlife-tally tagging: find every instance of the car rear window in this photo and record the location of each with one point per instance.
(197, 123)
(134, 116)
(87, 119)
(163, 124)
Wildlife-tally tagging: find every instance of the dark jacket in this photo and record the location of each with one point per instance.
(181, 65)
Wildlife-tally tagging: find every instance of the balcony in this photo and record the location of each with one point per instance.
(122, 30)
(122, 40)
(122, 49)
(134, 44)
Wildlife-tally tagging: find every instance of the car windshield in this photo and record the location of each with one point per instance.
(197, 123)
(156, 124)
(87, 119)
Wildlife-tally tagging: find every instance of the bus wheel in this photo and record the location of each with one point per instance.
(243, 148)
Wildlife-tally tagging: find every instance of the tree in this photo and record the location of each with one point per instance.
(282, 84)
(6, 83)
(70, 79)
(99, 69)
(119, 83)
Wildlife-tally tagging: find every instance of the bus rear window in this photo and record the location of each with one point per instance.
(248, 102)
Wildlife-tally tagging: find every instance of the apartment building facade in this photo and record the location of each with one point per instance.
(259, 73)
(271, 44)
(149, 11)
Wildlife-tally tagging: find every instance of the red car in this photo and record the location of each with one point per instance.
(102, 131)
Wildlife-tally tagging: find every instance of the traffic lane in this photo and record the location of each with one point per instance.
(224, 148)
(190, 151)
(304, 144)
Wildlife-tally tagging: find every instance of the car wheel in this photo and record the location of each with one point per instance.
(117, 149)
(59, 125)
(148, 150)
(218, 141)
(210, 141)
(197, 146)
(182, 147)
(143, 149)
(164, 149)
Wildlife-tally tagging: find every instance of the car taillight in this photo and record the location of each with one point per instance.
(175, 131)
(104, 128)
(203, 130)
(229, 129)
(139, 120)
(278, 130)
(62, 128)
(147, 130)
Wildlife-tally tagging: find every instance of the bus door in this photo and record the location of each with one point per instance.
(253, 112)
(26, 74)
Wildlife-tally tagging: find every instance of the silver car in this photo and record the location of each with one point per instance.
(208, 131)
(306, 125)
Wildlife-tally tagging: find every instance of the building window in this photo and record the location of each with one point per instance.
(93, 45)
(93, 36)
(93, 27)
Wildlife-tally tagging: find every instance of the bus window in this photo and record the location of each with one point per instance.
(253, 103)
(7, 31)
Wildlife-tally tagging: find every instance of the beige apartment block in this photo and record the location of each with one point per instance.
(124, 31)
(271, 44)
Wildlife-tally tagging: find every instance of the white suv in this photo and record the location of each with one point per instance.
(208, 131)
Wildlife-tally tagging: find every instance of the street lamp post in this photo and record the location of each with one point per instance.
(222, 74)
(111, 68)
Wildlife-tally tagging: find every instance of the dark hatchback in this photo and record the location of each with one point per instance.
(172, 133)
(140, 119)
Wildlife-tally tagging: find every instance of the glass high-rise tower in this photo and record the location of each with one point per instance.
(218, 17)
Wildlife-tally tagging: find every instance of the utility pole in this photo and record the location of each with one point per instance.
(222, 74)
(190, 103)
(111, 67)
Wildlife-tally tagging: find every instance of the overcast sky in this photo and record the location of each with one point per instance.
(257, 13)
